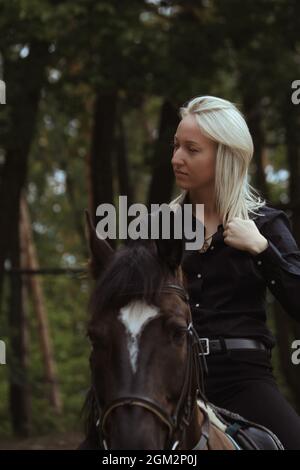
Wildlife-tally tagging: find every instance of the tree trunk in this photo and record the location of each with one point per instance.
(253, 112)
(100, 174)
(40, 310)
(19, 389)
(25, 78)
(77, 214)
(162, 176)
(125, 187)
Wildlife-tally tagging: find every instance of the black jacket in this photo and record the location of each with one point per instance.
(227, 287)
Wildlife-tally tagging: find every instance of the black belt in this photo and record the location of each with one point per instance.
(211, 346)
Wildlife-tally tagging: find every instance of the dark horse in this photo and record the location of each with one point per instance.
(147, 382)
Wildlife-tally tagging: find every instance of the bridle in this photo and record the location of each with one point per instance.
(181, 418)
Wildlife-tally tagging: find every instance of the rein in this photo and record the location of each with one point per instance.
(181, 418)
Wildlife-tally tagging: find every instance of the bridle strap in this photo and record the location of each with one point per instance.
(144, 402)
(180, 291)
(186, 388)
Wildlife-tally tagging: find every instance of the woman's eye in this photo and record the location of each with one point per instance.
(175, 146)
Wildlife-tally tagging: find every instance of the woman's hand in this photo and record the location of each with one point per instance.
(244, 235)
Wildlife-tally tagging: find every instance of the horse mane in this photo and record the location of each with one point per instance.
(89, 416)
(135, 273)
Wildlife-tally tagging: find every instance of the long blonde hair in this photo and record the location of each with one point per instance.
(221, 121)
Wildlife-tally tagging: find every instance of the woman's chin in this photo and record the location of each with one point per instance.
(182, 185)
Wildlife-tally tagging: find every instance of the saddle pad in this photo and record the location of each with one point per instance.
(217, 422)
(212, 416)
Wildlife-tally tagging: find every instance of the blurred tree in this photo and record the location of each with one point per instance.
(40, 311)
(161, 166)
(22, 104)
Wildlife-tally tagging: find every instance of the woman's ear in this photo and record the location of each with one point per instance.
(100, 251)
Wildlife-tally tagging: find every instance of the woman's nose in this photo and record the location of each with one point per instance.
(177, 160)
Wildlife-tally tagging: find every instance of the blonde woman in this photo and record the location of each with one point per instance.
(248, 247)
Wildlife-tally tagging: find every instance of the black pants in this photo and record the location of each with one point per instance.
(243, 382)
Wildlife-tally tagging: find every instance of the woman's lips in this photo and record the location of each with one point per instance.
(180, 173)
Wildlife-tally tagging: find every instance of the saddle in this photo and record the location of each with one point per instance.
(245, 434)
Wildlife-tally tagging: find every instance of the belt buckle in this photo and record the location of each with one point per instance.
(206, 340)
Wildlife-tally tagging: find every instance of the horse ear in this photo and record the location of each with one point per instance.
(170, 251)
(100, 251)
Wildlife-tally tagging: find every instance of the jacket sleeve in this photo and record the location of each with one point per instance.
(279, 263)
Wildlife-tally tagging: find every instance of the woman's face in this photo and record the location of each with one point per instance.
(194, 156)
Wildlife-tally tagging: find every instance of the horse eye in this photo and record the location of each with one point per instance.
(178, 334)
(97, 339)
(94, 341)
